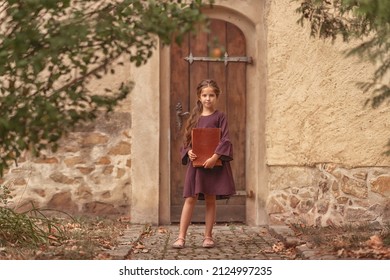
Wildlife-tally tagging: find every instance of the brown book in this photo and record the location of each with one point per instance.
(204, 143)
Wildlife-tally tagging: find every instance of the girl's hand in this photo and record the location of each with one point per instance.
(191, 155)
(210, 162)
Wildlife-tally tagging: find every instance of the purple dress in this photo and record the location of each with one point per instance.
(218, 180)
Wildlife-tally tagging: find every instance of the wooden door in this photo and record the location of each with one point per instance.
(231, 78)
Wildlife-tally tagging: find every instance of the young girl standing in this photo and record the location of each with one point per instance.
(208, 182)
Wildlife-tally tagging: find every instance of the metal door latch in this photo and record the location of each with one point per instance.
(180, 115)
(249, 194)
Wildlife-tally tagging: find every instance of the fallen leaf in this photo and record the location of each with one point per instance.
(162, 230)
(139, 246)
(278, 247)
(103, 256)
(52, 237)
(340, 252)
(375, 241)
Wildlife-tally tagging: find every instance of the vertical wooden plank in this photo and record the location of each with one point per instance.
(198, 70)
(236, 84)
(179, 86)
(217, 40)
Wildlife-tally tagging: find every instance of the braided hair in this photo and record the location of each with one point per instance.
(198, 109)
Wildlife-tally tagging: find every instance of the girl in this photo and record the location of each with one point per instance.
(208, 182)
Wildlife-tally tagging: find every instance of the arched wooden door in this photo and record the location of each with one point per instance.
(231, 77)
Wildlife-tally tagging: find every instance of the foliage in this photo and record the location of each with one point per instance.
(5, 195)
(50, 51)
(365, 20)
(31, 228)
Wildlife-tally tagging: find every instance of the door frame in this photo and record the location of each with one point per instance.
(255, 158)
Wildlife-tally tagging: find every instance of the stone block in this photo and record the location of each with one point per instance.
(86, 170)
(305, 206)
(342, 200)
(103, 161)
(20, 182)
(122, 148)
(72, 161)
(381, 185)
(386, 213)
(274, 206)
(58, 177)
(84, 192)
(63, 201)
(27, 205)
(108, 170)
(359, 215)
(40, 192)
(100, 208)
(46, 160)
(322, 207)
(92, 139)
(354, 187)
(294, 201)
(120, 172)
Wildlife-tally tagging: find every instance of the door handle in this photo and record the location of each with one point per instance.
(180, 115)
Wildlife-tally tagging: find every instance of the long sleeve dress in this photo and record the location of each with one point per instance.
(218, 180)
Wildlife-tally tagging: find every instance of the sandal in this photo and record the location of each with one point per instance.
(179, 245)
(208, 242)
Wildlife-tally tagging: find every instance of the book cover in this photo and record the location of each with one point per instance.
(204, 143)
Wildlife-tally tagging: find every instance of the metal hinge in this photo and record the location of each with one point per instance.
(225, 59)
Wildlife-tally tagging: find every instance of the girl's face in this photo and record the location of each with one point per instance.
(208, 98)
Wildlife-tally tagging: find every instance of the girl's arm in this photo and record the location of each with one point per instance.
(225, 148)
(210, 162)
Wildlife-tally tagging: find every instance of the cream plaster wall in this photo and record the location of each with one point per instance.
(314, 109)
(145, 108)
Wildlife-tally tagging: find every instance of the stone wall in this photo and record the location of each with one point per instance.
(329, 194)
(89, 174)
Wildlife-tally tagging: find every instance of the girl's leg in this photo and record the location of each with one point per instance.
(185, 219)
(210, 220)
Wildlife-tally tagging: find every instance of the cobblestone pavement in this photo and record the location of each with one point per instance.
(233, 242)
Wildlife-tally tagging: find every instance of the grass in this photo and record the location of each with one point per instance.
(30, 228)
(27, 237)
